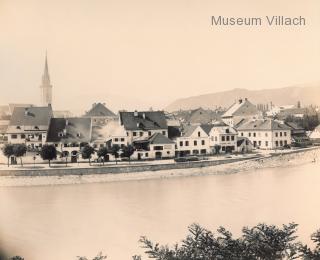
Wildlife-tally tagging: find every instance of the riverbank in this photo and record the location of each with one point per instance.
(223, 167)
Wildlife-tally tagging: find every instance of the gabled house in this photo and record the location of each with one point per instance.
(298, 135)
(142, 125)
(315, 135)
(266, 133)
(222, 137)
(242, 109)
(100, 114)
(193, 141)
(29, 125)
(157, 146)
(69, 134)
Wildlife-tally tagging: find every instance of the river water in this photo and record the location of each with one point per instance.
(63, 221)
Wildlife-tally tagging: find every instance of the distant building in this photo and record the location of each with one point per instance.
(46, 87)
(242, 109)
(298, 135)
(315, 135)
(265, 133)
(100, 114)
(29, 125)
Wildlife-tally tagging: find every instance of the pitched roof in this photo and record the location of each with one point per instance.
(263, 124)
(188, 130)
(69, 130)
(207, 127)
(158, 138)
(106, 131)
(29, 118)
(99, 109)
(294, 126)
(143, 120)
(241, 108)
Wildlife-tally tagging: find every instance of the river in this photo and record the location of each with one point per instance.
(63, 221)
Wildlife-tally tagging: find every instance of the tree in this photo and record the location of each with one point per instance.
(217, 148)
(8, 151)
(19, 150)
(98, 257)
(102, 153)
(114, 151)
(48, 152)
(65, 154)
(87, 152)
(307, 252)
(128, 151)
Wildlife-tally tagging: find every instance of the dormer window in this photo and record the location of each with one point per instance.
(78, 134)
(36, 127)
(18, 127)
(60, 134)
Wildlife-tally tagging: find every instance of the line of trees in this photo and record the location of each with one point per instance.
(261, 242)
(17, 150)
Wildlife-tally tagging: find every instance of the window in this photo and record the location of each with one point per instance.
(18, 127)
(187, 143)
(232, 138)
(14, 136)
(228, 138)
(158, 148)
(241, 133)
(164, 132)
(266, 134)
(127, 133)
(281, 143)
(254, 134)
(146, 155)
(259, 143)
(277, 144)
(285, 142)
(56, 145)
(203, 142)
(149, 133)
(122, 139)
(227, 131)
(141, 133)
(101, 145)
(181, 143)
(223, 138)
(65, 145)
(199, 134)
(276, 134)
(168, 152)
(249, 134)
(23, 136)
(216, 138)
(134, 133)
(285, 133)
(266, 143)
(280, 133)
(195, 143)
(36, 127)
(116, 139)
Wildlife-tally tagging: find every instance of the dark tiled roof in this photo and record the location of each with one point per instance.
(263, 124)
(69, 130)
(207, 127)
(158, 138)
(99, 110)
(29, 117)
(143, 120)
(294, 126)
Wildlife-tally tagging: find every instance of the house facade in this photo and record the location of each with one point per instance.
(266, 133)
(193, 141)
(29, 125)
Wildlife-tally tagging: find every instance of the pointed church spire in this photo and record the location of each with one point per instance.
(46, 87)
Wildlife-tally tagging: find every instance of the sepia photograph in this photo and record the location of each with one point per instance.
(159, 129)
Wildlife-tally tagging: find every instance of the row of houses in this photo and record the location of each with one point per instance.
(151, 133)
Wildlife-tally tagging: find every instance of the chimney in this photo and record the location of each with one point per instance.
(240, 101)
(26, 111)
(144, 115)
(135, 113)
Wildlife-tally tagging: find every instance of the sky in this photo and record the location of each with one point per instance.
(147, 53)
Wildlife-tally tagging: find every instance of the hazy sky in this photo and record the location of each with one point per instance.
(137, 54)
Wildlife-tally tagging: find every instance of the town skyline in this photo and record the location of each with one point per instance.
(103, 52)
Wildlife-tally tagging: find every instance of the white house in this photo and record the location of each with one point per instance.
(265, 133)
(315, 135)
(240, 110)
(193, 141)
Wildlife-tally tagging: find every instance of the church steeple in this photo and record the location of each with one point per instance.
(46, 87)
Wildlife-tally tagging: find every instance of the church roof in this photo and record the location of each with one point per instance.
(99, 109)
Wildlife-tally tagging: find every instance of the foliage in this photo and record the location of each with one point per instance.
(102, 153)
(128, 151)
(16, 258)
(87, 152)
(217, 148)
(114, 150)
(8, 151)
(98, 257)
(307, 252)
(48, 152)
(19, 150)
(260, 242)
